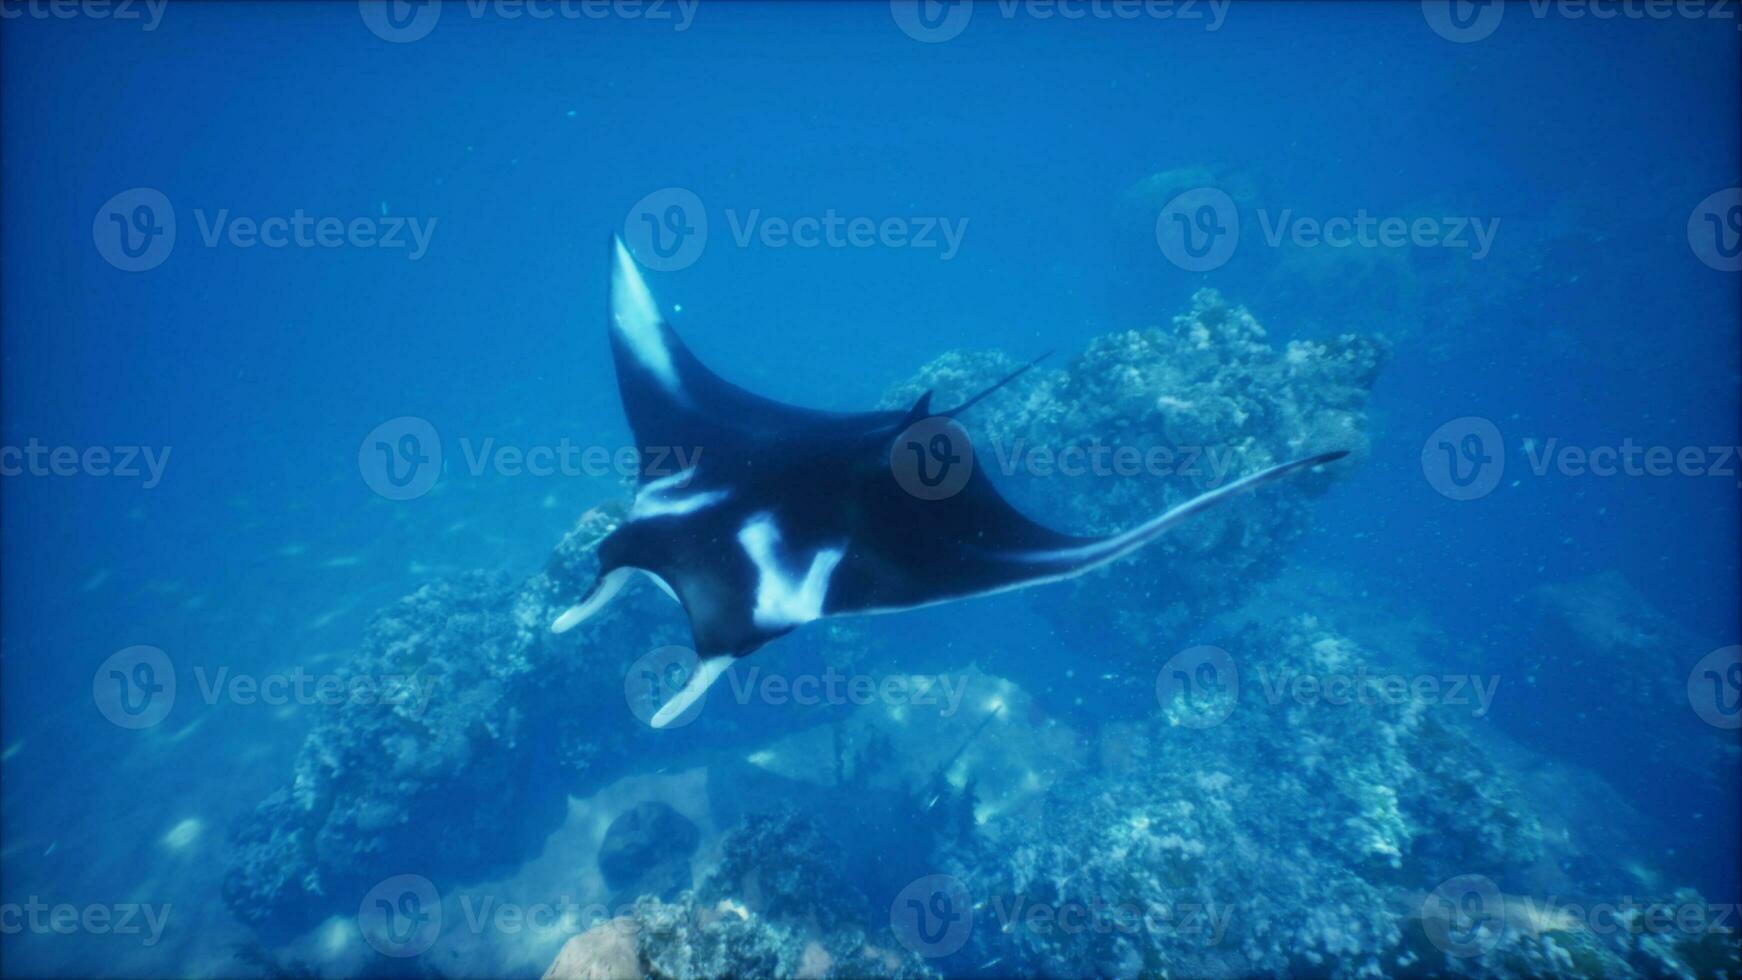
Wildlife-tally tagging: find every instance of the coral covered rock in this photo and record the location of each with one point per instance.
(468, 771)
(1144, 420)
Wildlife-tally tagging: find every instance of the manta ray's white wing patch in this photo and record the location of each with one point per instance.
(784, 600)
(664, 497)
(636, 318)
(707, 672)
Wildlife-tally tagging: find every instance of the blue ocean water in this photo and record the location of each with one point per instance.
(445, 181)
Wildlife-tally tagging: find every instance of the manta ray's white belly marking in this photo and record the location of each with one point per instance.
(663, 497)
(782, 599)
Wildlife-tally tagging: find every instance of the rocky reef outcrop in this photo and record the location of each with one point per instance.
(469, 775)
(1145, 420)
(1292, 800)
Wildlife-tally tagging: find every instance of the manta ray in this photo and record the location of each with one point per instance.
(787, 515)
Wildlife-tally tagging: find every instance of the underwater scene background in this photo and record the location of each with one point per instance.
(310, 428)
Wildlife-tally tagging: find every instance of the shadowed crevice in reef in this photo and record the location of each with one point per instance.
(647, 851)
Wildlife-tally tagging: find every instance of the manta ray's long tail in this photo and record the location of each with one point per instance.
(1076, 560)
(1001, 382)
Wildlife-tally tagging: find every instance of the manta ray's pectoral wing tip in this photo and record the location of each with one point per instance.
(636, 320)
(627, 286)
